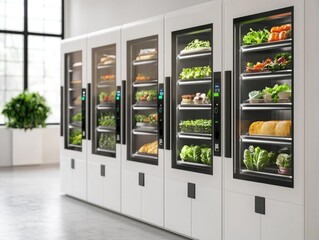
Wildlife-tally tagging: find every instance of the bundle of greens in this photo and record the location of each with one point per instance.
(107, 141)
(107, 120)
(151, 118)
(272, 91)
(77, 117)
(256, 158)
(197, 44)
(146, 95)
(256, 37)
(196, 154)
(75, 137)
(284, 160)
(195, 72)
(197, 125)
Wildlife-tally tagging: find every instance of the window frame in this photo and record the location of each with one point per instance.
(26, 34)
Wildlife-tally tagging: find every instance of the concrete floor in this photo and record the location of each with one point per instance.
(32, 208)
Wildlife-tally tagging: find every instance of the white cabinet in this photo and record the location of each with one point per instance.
(73, 177)
(198, 217)
(281, 220)
(104, 186)
(95, 184)
(142, 196)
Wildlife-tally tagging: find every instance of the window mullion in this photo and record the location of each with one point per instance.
(25, 45)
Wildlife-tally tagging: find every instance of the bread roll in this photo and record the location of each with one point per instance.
(271, 128)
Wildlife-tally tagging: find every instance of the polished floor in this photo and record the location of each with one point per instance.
(32, 208)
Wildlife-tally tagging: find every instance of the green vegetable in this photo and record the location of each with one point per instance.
(152, 118)
(107, 141)
(77, 117)
(248, 160)
(197, 125)
(284, 160)
(209, 94)
(146, 95)
(272, 158)
(255, 95)
(197, 44)
(275, 90)
(282, 61)
(107, 120)
(195, 72)
(75, 137)
(256, 37)
(256, 158)
(198, 154)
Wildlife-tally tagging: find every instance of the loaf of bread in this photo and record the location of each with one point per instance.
(271, 128)
(149, 148)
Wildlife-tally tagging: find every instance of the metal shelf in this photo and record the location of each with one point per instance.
(105, 66)
(145, 130)
(198, 136)
(246, 171)
(74, 126)
(106, 84)
(75, 146)
(266, 140)
(191, 164)
(146, 156)
(108, 106)
(137, 63)
(105, 129)
(265, 106)
(139, 107)
(266, 46)
(74, 106)
(144, 133)
(283, 74)
(194, 107)
(194, 81)
(145, 84)
(194, 55)
(105, 150)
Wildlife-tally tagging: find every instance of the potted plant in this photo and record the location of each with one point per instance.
(23, 113)
(284, 162)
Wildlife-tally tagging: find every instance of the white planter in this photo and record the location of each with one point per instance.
(27, 147)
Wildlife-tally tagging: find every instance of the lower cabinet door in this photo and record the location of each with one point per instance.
(282, 221)
(95, 186)
(131, 194)
(112, 188)
(79, 179)
(177, 207)
(241, 221)
(66, 175)
(206, 213)
(152, 200)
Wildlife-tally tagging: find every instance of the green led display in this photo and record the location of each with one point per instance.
(216, 94)
(160, 97)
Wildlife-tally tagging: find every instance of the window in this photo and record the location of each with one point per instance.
(30, 35)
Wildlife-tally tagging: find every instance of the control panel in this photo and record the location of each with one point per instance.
(217, 113)
(83, 113)
(118, 114)
(160, 112)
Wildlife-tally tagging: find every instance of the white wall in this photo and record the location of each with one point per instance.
(84, 16)
(312, 119)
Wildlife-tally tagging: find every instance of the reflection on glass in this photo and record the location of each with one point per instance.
(11, 15)
(44, 71)
(11, 68)
(44, 16)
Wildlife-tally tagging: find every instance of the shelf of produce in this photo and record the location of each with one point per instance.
(194, 55)
(194, 81)
(145, 83)
(198, 136)
(266, 174)
(145, 132)
(181, 162)
(105, 66)
(266, 46)
(106, 84)
(194, 107)
(75, 146)
(105, 129)
(145, 155)
(282, 74)
(274, 140)
(105, 150)
(137, 63)
(103, 106)
(265, 106)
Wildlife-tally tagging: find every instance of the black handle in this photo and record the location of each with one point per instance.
(103, 170)
(61, 111)
(216, 109)
(228, 110)
(124, 112)
(83, 113)
(168, 113)
(191, 190)
(260, 206)
(141, 179)
(72, 163)
(89, 111)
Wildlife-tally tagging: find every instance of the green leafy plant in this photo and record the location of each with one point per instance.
(26, 111)
(197, 154)
(256, 37)
(196, 43)
(195, 72)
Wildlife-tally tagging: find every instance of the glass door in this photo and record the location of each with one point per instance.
(142, 93)
(104, 98)
(73, 92)
(192, 99)
(264, 97)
